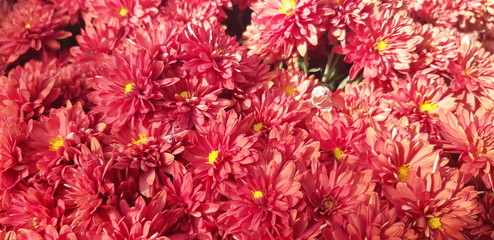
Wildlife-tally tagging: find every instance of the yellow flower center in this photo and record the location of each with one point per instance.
(381, 45)
(27, 26)
(142, 139)
(129, 87)
(403, 172)
(34, 222)
(428, 106)
(435, 223)
(123, 12)
(338, 153)
(184, 94)
(212, 157)
(287, 7)
(491, 194)
(257, 127)
(257, 194)
(291, 90)
(56, 143)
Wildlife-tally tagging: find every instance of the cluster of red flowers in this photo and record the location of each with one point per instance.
(246, 119)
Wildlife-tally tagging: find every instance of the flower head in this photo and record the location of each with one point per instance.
(260, 204)
(282, 28)
(222, 149)
(127, 88)
(382, 47)
(31, 25)
(437, 205)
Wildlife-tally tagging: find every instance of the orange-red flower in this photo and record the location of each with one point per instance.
(221, 150)
(436, 205)
(471, 134)
(262, 204)
(31, 25)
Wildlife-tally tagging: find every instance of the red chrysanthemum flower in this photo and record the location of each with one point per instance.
(84, 190)
(147, 149)
(28, 90)
(274, 106)
(332, 195)
(420, 99)
(438, 12)
(473, 71)
(485, 228)
(55, 139)
(195, 11)
(339, 138)
(362, 100)
(398, 149)
(346, 13)
(261, 205)
(209, 53)
(377, 220)
(382, 47)
(472, 135)
(31, 24)
(282, 28)
(438, 48)
(295, 144)
(12, 166)
(191, 200)
(144, 220)
(436, 205)
(128, 87)
(294, 83)
(32, 208)
(223, 148)
(191, 102)
(95, 42)
(124, 12)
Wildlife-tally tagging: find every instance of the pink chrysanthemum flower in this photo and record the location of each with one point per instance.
(420, 99)
(28, 90)
(397, 150)
(144, 220)
(95, 42)
(438, 49)
(124, 12)
(147, 149)
(362, 100)
(339, 138)
(261, 205)
(54, 139)
(382, 47)
(127, 88)
(31, 24)
(346, 13)
(191, 102)
(12, 166)
(376, 219)
(485, 229)
(442, 13)
(191, 200)
(194, 11)
(436, 205)
(473, 71)
(84, 190)
(332, 195)
(471, 134)
(295, 83)
(295, 144)
(282, 28)
(274, 107)
(32, 208)
(209, 53)
(223, 148)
